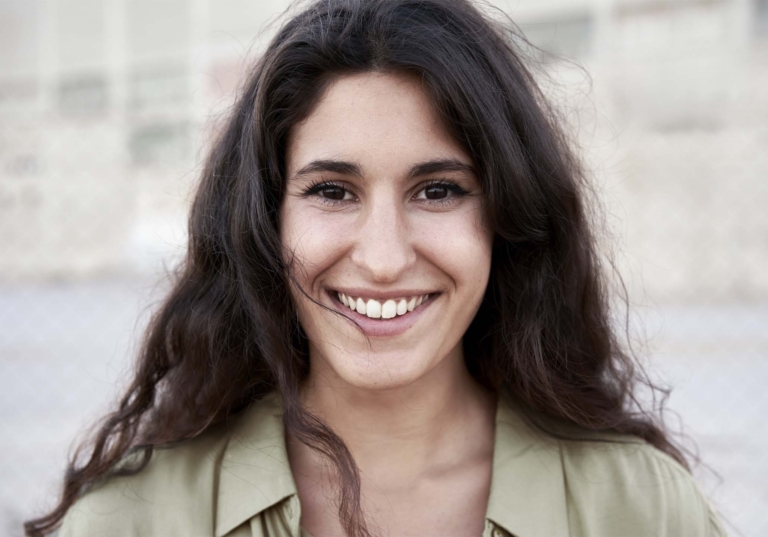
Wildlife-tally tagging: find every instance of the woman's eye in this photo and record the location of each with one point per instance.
(441, 192)
(328, 192)
(436, 192)
(333, 193)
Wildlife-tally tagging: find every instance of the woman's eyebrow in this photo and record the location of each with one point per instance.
(350, 168)
(335, 166)
(441, 165)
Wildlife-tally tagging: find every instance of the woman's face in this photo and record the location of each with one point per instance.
(384, 207)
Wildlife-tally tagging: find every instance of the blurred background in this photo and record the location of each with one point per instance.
(106, 111)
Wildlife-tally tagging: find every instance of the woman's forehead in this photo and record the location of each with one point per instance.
(382, 121)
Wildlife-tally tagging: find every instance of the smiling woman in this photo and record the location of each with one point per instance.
(391, 319)
(398, 224)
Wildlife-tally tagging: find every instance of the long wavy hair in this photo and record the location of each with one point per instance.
(228, 333)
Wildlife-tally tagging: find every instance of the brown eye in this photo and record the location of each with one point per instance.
(333, 193)
(328, 192)
(441, 192)
(435, 192)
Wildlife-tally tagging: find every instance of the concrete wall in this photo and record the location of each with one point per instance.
(105, 106)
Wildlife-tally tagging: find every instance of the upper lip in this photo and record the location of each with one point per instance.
(359, 292)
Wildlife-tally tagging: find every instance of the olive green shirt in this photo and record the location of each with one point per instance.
(236, 482)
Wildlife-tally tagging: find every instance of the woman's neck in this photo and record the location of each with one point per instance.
(433, 424)
(424, 452)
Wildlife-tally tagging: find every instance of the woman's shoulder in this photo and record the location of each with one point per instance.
(174, 494)
(621, 482)
(176, 486)
(553, 479)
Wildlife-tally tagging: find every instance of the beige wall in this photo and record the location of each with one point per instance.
(105, 106)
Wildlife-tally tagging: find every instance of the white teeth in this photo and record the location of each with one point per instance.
(373, 309)
(389, 309)
(376, 310)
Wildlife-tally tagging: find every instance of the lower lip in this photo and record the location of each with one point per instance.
(384, 327)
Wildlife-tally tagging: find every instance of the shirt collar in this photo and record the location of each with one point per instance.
(528, 496)
(255, 473)
(527, 489)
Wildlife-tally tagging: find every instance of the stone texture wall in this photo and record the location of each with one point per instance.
(106, 106)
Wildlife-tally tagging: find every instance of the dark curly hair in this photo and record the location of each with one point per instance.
(228, 333)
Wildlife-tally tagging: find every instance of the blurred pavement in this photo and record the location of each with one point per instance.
(58, 376)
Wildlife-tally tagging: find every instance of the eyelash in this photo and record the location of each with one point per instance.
(457, 191)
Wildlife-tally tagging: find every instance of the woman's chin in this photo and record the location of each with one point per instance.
(379, 372)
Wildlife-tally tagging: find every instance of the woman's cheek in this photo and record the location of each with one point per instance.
(456, 242)
(318, 239)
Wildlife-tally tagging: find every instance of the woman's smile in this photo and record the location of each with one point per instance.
(383, 317)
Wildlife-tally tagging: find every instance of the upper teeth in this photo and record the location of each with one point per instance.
(376, 310)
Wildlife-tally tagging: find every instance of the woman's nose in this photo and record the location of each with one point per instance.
(383, 243)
